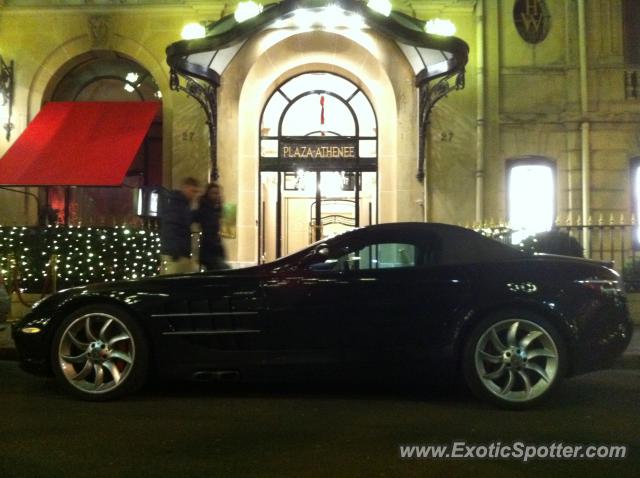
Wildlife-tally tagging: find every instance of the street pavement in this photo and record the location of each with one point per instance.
(234, 430)
(7, 348)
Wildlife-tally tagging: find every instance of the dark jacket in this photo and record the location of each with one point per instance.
(175, 225)
(209, 215)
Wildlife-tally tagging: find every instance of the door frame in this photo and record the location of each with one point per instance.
(280, 166)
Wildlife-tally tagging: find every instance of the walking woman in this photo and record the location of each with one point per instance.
(209, 213)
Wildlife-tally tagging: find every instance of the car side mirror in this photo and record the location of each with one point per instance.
(321, 251)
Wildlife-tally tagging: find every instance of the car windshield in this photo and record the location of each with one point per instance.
(295, 257)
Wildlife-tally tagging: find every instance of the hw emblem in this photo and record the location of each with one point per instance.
(532, 20)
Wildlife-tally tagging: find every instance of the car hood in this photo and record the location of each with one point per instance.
(133, 291)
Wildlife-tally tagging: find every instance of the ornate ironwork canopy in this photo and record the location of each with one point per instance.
(202, 61)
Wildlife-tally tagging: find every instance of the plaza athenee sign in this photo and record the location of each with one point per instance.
(319, 150)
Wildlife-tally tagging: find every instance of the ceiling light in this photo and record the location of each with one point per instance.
(247, 10)
(132, 77)
(437, 26)
(356, 21)
(191, 31)
(303, 18)
(383, 7)
(129, 88)
(332, 16)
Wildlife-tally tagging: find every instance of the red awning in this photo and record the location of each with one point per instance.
(78, 144)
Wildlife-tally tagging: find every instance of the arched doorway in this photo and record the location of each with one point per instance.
(318, 162)
(109, 76)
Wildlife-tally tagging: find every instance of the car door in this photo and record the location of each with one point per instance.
(304, 314)
(373, 299)
(399, 294)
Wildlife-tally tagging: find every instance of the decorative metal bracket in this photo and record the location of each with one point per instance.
(428, 97)
(205, 95)
(6, 92)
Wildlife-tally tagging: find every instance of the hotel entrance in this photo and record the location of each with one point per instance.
(318, 163)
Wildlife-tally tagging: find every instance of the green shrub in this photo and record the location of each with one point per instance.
(552, 242)
(84, 254)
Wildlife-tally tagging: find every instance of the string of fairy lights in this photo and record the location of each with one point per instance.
(82, 255)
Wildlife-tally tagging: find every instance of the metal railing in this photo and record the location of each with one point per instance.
(611, 242)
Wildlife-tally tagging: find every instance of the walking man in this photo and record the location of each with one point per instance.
(212, 256)
(176, 217)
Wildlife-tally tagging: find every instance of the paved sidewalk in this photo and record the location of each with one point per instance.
(7, 349)
(630, 359)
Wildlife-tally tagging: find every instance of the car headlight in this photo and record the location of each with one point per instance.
(30, 330)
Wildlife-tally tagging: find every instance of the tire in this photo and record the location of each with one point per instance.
(100, 353)
(519, 367)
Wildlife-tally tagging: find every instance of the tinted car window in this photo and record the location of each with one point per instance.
(379, 256)
(385, 253)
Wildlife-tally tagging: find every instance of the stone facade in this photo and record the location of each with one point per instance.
(530, 102)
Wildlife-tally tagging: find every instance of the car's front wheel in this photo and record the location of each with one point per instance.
(514, 359)
(100, 353)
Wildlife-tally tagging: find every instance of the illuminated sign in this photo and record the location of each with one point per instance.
(317, 153)
(311, 149)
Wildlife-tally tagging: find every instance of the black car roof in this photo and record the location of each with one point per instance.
(441, 229)
(459, 244)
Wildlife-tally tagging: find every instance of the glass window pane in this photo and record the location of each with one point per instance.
(383, 256)
(306, 115)
(269, 148)
(374, 256)
(531, 200)
(113, 89)
(368, 148)
(271, 115)
(312, 81)
(365, 115)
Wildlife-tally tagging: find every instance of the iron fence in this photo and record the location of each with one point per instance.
(614, 243)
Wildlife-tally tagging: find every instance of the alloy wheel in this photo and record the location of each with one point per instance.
(96, 353)
(516, 360)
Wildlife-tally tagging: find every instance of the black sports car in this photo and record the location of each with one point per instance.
(407, 300)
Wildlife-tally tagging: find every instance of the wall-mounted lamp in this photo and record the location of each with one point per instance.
(438, 26)
(6, 95)
(193, 30)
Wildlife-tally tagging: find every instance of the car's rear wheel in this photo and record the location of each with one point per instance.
(514, 359)
(100, 353)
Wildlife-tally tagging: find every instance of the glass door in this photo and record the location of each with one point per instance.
(300, 208)
(318, 162)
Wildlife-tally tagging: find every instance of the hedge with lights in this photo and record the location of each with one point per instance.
(83, 255)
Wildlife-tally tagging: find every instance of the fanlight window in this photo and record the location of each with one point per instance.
(318, 104)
